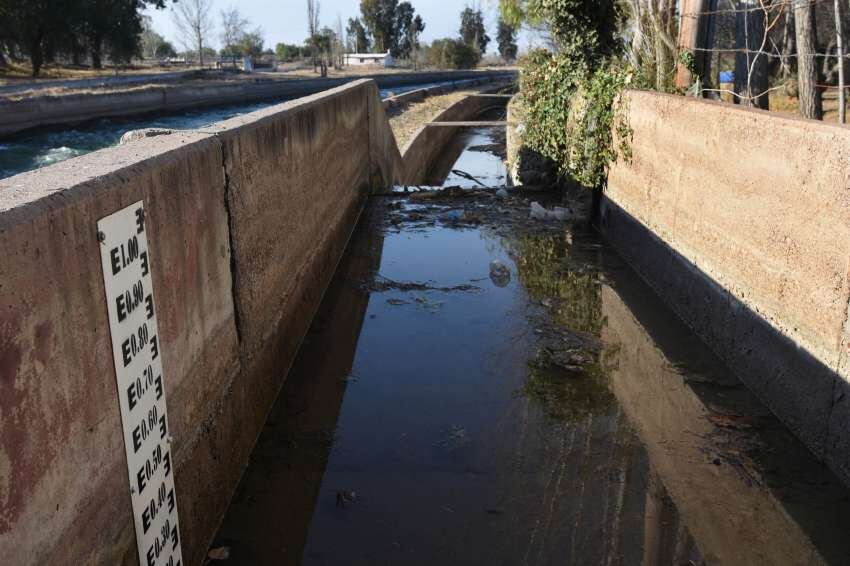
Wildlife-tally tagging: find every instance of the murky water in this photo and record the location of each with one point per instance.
(441, 412)
(29, 151)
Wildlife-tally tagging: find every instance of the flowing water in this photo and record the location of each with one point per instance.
(33, 150)
(445, 410)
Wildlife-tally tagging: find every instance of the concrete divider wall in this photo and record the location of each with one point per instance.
(429, 142)
(740, 219)
(40, 111)
(246, 224)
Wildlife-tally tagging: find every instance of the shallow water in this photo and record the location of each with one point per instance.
(438, 415)
(34, 150)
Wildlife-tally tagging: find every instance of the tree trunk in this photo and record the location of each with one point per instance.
(96, 50)
(839, 50)
(751, 76)
(811, 104)
(200, 51)
(692, 34)
(36, 56)
(789, 45)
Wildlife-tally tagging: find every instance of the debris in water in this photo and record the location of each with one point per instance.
(397, 302)
(499, 273)
(220, 553)
(345, 497)
(430, 306)
(456, 438)
(502, 193)
(452, 216)
(467, 176)
(540, 213)
(381, 284)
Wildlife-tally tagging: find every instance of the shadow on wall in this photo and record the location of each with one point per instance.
(806, 394)
(293, 448)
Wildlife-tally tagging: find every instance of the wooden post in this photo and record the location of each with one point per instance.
(692, 32)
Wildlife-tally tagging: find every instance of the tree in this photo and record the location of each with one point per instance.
(193, 21)
(811, 104)
(408, 27)
(233, 30)
(286, 52)
(114, 26)
(165, 50)
(313, 9)
(151, 40)
(379, 17)
(588, 28)
(29, 25)
(452, 54)
(506, 38)
(358, 33)
(250, 44)
(472, 29)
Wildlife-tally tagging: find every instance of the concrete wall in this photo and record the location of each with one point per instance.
(41, 111)
(246, 224)
(423, 150)
(740, 219)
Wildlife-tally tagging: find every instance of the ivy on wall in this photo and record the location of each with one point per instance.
(568, 95)
(571, 115)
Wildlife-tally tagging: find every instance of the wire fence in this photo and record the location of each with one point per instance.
(751, 52)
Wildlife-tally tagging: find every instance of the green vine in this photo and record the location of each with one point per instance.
(572, 115)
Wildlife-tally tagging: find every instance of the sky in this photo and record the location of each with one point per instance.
(285, 21)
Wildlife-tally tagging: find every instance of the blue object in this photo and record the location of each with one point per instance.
(727, 76)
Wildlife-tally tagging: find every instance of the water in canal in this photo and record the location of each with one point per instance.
(545, 409)
(33, 150)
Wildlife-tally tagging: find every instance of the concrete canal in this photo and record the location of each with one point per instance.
(481, 388)
(33, 150)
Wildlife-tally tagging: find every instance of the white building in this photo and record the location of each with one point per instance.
(378, 59)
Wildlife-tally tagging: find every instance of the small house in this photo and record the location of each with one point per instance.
(376, 59)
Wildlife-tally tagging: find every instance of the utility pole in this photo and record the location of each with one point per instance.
(692, 34)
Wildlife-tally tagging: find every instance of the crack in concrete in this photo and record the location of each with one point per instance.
(234, 279)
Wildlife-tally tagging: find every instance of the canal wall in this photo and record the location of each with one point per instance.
(740, 220)
(422, 153)
(41, 111)
(246, 223)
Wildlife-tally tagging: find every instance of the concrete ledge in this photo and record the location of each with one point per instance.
(42, 111)
(422, 93)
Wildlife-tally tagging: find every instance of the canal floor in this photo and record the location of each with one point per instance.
(482, 388)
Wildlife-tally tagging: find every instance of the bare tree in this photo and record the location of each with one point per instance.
(313, 8)
(193, 21)
(811, 105)
(339, 43)
(233, 27)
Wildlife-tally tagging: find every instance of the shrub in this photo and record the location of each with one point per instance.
(452, 54)
(570, 113)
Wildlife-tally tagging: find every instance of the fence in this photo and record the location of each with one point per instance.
(746, 51)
